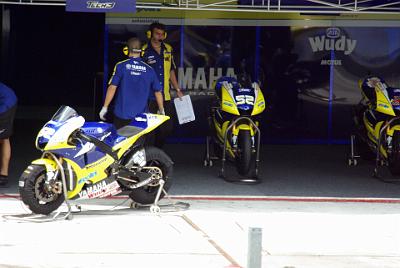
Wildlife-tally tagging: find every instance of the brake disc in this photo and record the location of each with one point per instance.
(44, 191)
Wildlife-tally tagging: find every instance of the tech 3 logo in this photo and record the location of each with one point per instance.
(99, 5)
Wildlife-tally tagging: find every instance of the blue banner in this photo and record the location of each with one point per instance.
(126, 6)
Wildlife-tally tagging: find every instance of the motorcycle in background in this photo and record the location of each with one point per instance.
(234, 128)
(84, 160)
(377, 122)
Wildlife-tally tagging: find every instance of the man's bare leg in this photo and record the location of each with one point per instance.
(5, 155)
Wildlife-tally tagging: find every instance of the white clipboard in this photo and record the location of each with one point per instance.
(184, 109)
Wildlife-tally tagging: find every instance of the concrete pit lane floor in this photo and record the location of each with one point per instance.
(213, 232)
(313, 209)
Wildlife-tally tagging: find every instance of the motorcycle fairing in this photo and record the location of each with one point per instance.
(238, 100)
(95, 172)
(373, 133)
(50, 165)
(90, 174)
(220, 131)
(104, 188)
(146, 120)
(228, 102)
(383, 103)
(103, 131)
(54, 135)
(259, 105)
(238, 128)
(391, 129)
(373, 130)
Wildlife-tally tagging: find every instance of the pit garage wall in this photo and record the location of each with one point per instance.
(308, 73)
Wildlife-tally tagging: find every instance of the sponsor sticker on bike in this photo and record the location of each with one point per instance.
(100, 190)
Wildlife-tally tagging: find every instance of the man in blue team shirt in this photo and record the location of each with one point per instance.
(136, 82)
(8, 106)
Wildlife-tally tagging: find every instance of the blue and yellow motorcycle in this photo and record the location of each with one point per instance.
(234, 128)
(84, 160)
(377, 122)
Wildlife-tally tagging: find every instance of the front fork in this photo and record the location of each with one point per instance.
(54, 168)
(235, 142)
(256, 131)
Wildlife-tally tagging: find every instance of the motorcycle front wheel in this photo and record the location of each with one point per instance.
(154, 158)
(35, 192)
(243, 158)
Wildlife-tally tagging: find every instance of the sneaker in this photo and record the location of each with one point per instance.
(3, 180)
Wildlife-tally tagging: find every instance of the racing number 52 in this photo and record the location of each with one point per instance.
(244, 99)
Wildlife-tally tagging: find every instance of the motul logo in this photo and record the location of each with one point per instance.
(95, 4)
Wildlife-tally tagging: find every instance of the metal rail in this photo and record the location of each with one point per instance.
(260, 6)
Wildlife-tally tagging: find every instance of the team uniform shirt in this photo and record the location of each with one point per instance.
(136, 82)
(7, 98)
(162, 64)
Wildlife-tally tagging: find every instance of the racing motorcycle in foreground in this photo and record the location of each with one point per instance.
(235, 134)
(377, 122)
(84, 160)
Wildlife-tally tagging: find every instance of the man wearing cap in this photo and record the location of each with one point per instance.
(135, 82)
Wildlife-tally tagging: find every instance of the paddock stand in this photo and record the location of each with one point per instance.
(208, 159)
(379, 158)
(352, 159)
(58, 215)
(157, 208)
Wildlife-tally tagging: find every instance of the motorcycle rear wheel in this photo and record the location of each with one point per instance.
(243, 158)
(34, 193)
(147, 194)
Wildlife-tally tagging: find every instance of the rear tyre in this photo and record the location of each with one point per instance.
(243, 158)
(394, 157)
(147, 194)
(35, 193)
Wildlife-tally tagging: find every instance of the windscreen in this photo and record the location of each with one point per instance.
(64, 113)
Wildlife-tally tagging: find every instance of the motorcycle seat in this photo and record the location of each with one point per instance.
(129, 131)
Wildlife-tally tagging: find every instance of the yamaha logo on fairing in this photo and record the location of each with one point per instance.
(332, 40)
(96, 4)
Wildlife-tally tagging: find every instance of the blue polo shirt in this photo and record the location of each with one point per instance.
(136, 81)
(7, 98)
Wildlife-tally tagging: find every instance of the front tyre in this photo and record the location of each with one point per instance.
(154, 158)
(35, 191)
(243, 158)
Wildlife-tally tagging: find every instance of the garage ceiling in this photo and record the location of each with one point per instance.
(288, 6)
